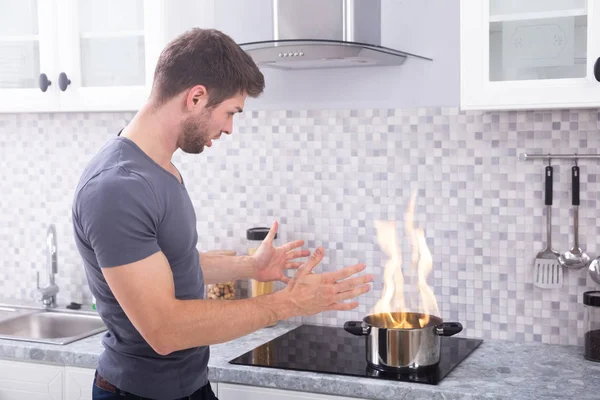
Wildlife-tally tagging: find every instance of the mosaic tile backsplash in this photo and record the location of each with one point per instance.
(327, 176)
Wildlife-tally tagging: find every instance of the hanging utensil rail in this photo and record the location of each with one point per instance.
(574, 156)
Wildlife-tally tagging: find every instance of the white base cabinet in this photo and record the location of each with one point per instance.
(78, 383)
(31, 381)
(228, 391)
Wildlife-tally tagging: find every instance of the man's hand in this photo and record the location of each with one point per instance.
(308, 293)
(270, 262)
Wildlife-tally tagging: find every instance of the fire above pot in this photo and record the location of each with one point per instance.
(394, 302)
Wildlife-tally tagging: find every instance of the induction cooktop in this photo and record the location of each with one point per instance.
(332, 350)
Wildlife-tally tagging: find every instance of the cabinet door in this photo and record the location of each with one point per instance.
(529, 54)
(108, 51)
(229, 391)
(78, 383)
(20, 380)
(215, 388)
(27, 50)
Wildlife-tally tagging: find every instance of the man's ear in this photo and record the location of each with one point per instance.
(197, 96)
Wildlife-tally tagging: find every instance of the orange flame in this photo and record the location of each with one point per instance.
(392, 305)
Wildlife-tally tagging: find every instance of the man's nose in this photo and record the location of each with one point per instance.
(228, 128)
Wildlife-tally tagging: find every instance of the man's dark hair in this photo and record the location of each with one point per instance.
(210, 58)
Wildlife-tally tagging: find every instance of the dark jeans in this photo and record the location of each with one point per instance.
(103, 390)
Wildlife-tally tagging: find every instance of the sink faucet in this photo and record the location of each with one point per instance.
(47, 295)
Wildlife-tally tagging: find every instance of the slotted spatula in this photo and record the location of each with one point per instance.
(547, 271)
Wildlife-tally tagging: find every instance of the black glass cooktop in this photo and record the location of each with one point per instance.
(332, 350)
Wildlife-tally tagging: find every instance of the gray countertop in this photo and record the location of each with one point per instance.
(496, 370)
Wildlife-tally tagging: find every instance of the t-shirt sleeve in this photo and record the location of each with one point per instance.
(119, 214)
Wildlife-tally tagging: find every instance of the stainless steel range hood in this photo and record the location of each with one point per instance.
(310, 34)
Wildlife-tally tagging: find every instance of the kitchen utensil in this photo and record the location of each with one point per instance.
(575, 258)
(594, 270)
(400, 349)
(547, 271)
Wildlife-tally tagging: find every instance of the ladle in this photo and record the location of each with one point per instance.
(575, 258)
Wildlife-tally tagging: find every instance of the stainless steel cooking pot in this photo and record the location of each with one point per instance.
(402, 349)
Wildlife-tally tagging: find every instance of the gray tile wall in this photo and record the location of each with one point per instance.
(327, 176)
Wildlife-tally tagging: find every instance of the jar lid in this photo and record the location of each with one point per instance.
(592, 298)
(258, 233)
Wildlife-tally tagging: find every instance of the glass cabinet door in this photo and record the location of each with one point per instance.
(19, 44)
(105, 51)
(537, 39)
(28, 55)
(534, 54)
(111, 43)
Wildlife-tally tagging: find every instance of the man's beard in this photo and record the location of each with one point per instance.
(194, 133)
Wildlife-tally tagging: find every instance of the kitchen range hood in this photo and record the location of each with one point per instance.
(309, 34)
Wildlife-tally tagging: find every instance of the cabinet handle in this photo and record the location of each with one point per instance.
(44, 82)
(597, 69)
(63, 81)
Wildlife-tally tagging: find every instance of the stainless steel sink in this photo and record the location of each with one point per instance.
(51, 326)
(7, 312)
(49, 323)
(12, 311)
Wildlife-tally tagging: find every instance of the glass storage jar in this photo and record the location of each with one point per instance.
(591, 300)
(225, 290)
(255, 236)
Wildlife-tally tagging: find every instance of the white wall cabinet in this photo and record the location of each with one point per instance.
(78, 55)
(537, 54)
(19, 380)
(28, 30)
(228, 391)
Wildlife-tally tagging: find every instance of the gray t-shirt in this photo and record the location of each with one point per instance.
(126, 208)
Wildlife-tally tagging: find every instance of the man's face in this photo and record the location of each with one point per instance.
(200, 129)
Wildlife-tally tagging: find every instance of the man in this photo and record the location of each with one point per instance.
(135, 228)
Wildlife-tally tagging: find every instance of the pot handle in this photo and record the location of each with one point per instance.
(448, 328)
(357, 328)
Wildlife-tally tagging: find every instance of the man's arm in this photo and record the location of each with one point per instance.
(146, 292)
